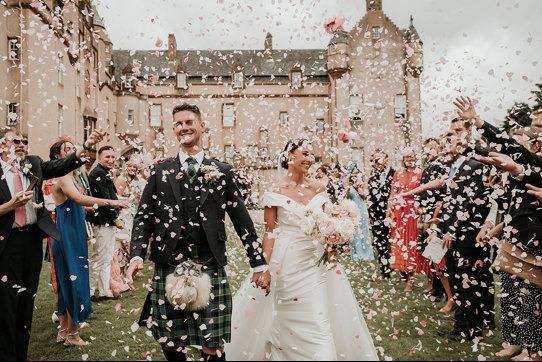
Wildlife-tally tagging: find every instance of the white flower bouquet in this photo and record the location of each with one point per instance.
(333, 226)
(211, 174)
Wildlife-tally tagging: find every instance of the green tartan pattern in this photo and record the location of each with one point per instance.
(174, 328)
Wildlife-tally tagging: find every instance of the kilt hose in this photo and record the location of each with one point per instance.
(172, 328)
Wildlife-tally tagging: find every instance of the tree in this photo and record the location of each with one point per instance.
(518, 116)
(537, 97)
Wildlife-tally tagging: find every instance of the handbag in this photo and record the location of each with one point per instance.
(514, 261)
(188, 288)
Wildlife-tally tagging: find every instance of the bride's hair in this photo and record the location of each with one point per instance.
(290, 147)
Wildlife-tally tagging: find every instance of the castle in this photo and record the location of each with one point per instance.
(60, 75)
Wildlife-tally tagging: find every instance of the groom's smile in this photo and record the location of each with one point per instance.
(188, 128)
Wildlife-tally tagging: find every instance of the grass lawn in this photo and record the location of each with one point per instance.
(403, 325)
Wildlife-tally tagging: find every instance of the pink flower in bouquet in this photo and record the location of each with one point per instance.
(334, 24)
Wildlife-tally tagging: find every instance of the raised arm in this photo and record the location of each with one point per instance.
(65, 183)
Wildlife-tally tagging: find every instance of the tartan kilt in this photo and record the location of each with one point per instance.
(172, 328)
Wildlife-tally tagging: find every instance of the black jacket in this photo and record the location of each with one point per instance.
(102, 186)
(43, 170)
(524, 229)
(428, 200)
(466, 204)
(379, 193)
(160, 215)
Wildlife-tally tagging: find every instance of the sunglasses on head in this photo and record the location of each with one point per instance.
(19, 141)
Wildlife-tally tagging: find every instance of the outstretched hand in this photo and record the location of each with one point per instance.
(262, 280)
(503, 162)
(535, 191)
(465, 108)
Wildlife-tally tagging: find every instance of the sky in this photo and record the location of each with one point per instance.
(489, 49)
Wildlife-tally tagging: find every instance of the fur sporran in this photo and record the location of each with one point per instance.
(188, 288)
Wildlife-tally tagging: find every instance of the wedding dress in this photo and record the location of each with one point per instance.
(311, 312)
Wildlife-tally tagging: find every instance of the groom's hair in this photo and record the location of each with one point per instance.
(187, 107)
(6, 130)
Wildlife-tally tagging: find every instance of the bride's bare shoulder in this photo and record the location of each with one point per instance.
(317, 186)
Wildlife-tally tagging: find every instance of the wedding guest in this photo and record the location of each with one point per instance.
(405, 256)
(129, 186)
(536, 118)
(427, 203)
(105, 220)
(71, 251)
(523, 233)
(465, 207)
(336, 187)
(379, 191)
(22, 229)
(361, 248)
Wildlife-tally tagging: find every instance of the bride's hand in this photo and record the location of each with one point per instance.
(262, 280)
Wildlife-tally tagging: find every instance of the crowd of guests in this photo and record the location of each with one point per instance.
(477, 194)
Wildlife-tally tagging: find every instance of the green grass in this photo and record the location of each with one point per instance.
(403, 325)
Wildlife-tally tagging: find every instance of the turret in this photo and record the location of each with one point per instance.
(337, 54)
(414, 50)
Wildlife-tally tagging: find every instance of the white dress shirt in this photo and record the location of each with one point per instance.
(198, 157)
(31, 215)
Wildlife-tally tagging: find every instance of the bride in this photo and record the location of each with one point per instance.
(311, 312)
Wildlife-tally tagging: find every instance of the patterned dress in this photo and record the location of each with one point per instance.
(405, 256)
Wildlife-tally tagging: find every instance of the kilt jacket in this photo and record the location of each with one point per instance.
(160, 215)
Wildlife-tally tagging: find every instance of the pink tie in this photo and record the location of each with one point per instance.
(20, 212)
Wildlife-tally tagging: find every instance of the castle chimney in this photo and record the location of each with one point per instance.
(171, 47)
(268, 45)
(374, 5)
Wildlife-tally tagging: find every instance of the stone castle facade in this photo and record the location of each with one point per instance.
(60, 75)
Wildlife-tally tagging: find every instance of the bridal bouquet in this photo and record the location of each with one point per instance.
(334, 225)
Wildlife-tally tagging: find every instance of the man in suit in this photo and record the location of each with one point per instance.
(24, 223)
(379, 193)
(105, 221)
(465, 208)
(183, 210)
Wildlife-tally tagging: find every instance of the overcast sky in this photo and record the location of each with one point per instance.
(487, 48)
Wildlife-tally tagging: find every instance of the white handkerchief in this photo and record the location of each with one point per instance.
(434, 250)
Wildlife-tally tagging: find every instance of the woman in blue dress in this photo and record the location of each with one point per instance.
(70, 253)
(361, 248)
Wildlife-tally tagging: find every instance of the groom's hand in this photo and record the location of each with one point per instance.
(262, 280)
(135, 267)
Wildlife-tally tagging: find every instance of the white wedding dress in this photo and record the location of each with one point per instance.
(311, 313)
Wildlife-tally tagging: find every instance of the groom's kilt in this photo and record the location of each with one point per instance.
(210, 327)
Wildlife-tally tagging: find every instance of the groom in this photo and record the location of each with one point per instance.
(182, 210)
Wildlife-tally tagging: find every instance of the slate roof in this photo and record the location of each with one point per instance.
(220, 63)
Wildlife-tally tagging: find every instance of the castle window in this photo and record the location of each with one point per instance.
(355, 102)
(13, 114)
(228, 115)
(182, 80)
(156, 115)
(320, 126)
(332, 48)
(13, 50)
(238, 79)
(400, 107)
(376, 32)
(130, 117)
(229, 151)
(283, 119)
(107, 48)
(297, 79)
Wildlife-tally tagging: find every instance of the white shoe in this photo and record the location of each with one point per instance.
(54, 317)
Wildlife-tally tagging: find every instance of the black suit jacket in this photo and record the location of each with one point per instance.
(466, 204)
(160, 214)
(102, 186)
(428, 200)
(379, 193)
(43, 170)
(525, 209)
